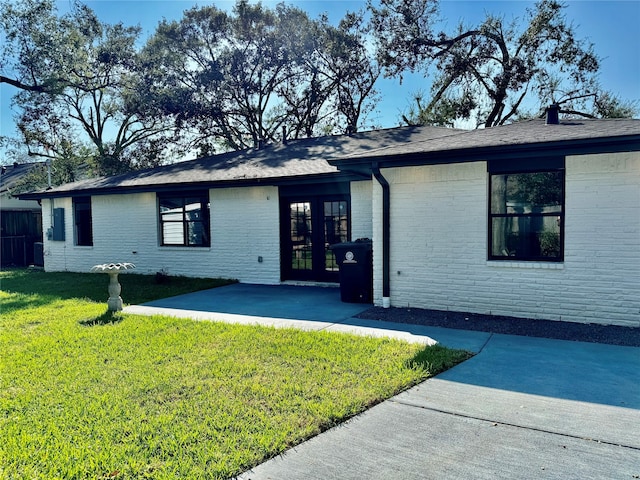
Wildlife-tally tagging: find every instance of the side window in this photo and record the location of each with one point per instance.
(82, 220)
(184, 219)
(526, 215)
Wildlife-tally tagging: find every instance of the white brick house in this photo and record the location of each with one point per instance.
(528, 220)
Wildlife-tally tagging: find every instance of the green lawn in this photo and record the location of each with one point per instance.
(84, 394)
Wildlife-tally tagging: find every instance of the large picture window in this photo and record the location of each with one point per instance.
(184, 220)
(526, 215)
(82, 219)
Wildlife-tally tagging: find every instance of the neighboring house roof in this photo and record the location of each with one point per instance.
(350, 155)
(271, 164)
(10, 177)
(11, 174)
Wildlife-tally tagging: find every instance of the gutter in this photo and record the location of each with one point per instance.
(386, 233)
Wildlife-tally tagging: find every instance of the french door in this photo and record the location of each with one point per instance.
(310, 225)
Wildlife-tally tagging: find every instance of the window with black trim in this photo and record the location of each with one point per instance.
(82, 220)
(526, 214)
(184, 219)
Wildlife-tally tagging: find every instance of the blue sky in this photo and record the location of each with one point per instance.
(611, 25)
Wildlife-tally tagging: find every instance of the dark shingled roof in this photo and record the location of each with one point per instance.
(326, 157)
(274, 163)
(532, 135)
(12, 174)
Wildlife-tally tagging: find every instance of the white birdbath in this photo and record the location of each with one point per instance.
(113, 269)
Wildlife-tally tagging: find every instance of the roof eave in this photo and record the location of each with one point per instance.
(191, 186)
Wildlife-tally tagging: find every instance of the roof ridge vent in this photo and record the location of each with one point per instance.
(553, 117)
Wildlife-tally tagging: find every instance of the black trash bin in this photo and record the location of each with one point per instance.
(355, 260)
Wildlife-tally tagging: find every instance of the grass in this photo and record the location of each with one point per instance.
(135, 288)
(87, 394)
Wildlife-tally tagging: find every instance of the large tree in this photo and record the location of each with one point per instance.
(235, 79)
(494, 72)
(211, 81)
(347, 59)
(75, 77)
(29, 28)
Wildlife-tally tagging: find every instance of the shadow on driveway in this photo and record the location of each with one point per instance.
(579, 371)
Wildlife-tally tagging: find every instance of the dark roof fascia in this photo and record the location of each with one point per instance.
(630, 143)
(31, 196)
(193, 186)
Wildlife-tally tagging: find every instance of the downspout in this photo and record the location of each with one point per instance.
(386, 233)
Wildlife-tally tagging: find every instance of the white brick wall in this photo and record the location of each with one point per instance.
(602, 249)
(439, 245)
(55, 253)
(361, 208)
(244, 224)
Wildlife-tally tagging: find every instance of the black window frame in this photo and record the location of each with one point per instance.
(554, 165)
(180, 201)
(83, 221)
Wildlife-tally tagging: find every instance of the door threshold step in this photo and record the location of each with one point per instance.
(303, 283)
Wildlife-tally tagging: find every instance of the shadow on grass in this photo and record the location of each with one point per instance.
(24, 301)
(136, 288)
(436, 359)
(106, 318)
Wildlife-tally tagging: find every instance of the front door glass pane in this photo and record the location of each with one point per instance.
(301, 236)
(336, 224)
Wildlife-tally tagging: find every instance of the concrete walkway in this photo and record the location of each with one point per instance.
(307, 308)
(521, 408)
